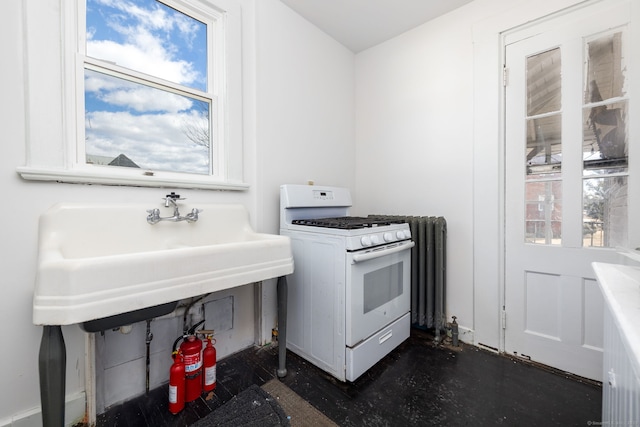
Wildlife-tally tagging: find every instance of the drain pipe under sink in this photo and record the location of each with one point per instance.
(148, 339)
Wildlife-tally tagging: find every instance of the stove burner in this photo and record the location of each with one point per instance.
(347, 222)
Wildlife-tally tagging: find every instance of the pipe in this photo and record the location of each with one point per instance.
(188, 308)
(148, 339)
(454, 332)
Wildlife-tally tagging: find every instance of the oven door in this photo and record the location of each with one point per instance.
(378, 289)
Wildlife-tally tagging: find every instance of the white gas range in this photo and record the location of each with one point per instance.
(349, 296)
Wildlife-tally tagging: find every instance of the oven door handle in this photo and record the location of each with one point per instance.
(382, 252)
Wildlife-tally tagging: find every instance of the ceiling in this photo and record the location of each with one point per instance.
(361, 24)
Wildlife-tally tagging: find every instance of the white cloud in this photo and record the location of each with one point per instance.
(153, 141)
(127, 95)
(146, 57)
(147, 99)
(98, 82)
(146, 44)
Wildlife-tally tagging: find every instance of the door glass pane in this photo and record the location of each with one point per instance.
(605, 68)
(544, 120)
(543, 212)
(544, 146)
(543, 83)
(604, 114)
(605, 212)
(605, 139)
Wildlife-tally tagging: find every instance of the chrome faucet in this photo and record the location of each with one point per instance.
(171, 200)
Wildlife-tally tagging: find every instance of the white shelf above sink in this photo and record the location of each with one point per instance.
(101, 260)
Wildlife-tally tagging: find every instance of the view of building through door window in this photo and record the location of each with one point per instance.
(544, 149)
(605, 145)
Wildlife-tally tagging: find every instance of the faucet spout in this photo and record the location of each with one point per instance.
(170, 200)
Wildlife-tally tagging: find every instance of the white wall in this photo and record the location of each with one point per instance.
(304, 115)
(305, 107)
(290, 90)
(413, 144)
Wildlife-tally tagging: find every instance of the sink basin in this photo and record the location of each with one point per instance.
(104, 261)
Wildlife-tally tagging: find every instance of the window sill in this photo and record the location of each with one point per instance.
(127, 178)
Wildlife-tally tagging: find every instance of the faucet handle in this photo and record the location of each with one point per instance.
(154, 216)
(193, 216)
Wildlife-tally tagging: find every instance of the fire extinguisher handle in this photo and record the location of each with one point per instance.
(192, 330)
(175, 345)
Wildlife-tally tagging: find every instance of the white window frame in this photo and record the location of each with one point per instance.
(54, 79)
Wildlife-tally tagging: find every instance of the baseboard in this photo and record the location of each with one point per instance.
(465, 335)
(75, 409)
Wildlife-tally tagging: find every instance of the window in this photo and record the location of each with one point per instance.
(543, 185)
(605, 142)
(162, 120)
(143, 92)
(602, 155)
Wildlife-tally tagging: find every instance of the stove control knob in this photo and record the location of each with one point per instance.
(400, 235)
(388, 237)
(365, 240)
(374, 239)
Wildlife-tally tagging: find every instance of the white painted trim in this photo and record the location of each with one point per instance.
(52, 99)
(465, 335)
(133, 177)
(488, 173)
(74, 410)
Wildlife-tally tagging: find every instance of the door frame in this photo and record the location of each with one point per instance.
(489, 40)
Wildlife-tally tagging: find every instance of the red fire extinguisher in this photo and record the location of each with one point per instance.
(176, 384)
(209, 361)
(191, 348)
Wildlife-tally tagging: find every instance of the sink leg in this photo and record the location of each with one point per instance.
(282, 326)
(52, 364)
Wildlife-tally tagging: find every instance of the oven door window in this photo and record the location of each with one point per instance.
(378, 292)
(382, 286)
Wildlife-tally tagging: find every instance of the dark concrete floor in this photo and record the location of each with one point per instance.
(418, 384)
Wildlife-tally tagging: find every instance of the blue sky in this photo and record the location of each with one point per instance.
(146, 124)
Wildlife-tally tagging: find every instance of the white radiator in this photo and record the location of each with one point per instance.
(621, 381)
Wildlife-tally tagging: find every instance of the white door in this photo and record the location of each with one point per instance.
(566, 179)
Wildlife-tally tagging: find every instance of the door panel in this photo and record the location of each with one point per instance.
(560, 187)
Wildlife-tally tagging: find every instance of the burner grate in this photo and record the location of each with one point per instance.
(347, 222)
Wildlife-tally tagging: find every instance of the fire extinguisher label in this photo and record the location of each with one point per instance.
(173, 394)
(210, 375)
(192, 363)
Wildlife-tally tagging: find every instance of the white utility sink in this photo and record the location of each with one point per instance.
(102, 260)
